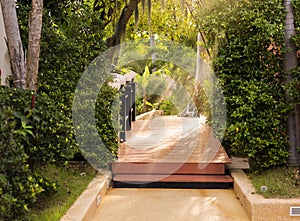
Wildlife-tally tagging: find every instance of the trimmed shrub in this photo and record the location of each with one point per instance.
(18, 187)
(48, 137)
(37, 130)
(247, 39)
(30, 137)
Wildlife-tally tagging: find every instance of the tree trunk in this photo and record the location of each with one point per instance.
(15, 47)
(34, 39)
(290, 62)
(120, 30)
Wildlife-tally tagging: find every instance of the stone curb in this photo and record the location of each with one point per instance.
(256, 206)
(87, 203)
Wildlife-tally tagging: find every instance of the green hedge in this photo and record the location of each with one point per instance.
(18, 188)
(44, 131)
(45, 134)
(29, 138)
(294, 86)
(68, 47)
(247, 38)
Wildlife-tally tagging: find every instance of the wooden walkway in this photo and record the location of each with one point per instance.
(171, 149)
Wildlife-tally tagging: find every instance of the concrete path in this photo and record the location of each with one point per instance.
(170, 205)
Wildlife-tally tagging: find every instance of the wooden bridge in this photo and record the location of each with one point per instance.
(171, 149)
(160, 150)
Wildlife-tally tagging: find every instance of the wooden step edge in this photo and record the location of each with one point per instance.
(132, 178)
(167, 168)
(238, 163)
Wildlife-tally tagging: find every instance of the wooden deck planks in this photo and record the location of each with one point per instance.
(171, 149)
(172, 139)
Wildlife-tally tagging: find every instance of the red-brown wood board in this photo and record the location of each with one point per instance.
(171, 148)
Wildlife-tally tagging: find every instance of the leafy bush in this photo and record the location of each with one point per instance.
(68, 45)
(65, 56)
(18, 188)
(44, 131)
(29, 138)
(294, 86)
(296, 10)
(106, 127)
(96, 131)
(247, 38)
(168, 107)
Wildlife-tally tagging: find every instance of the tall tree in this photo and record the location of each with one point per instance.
(290, 63)
(34, 39)
(24, 74)
(120, 29)
(15, 46)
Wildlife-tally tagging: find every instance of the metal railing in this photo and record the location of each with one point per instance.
(127, 88)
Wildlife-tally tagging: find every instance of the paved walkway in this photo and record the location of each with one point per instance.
(170, 205)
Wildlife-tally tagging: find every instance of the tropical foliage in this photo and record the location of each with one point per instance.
(246, 39)
(294, 87)
(37, 129)
(29, 138)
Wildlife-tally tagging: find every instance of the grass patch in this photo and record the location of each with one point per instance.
(281, 182)
(71, 182)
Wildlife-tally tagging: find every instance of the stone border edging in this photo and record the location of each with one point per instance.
(87, 203)
(256, 206)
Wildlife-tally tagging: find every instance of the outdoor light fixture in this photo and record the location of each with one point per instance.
(295, 211)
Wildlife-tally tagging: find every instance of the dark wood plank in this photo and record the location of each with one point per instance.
(133, 178)
(167, 168)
